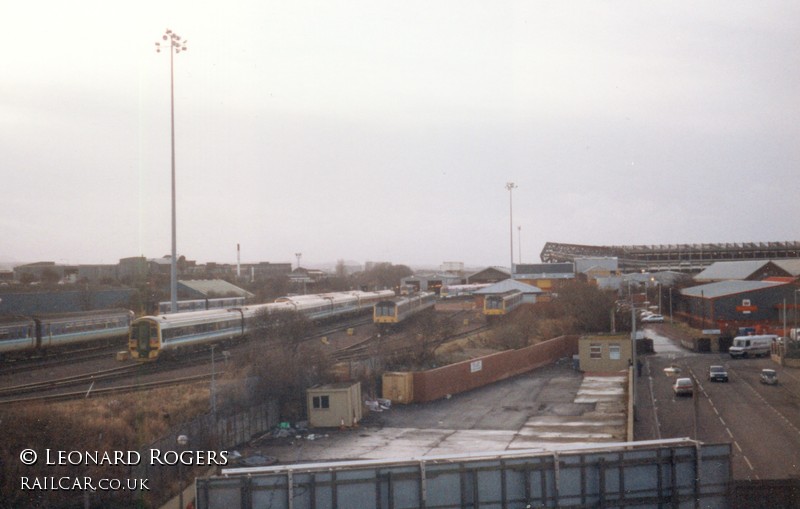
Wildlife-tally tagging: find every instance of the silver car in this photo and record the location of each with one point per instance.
(769, 377)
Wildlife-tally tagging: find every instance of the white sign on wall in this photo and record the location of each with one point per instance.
(475, 366)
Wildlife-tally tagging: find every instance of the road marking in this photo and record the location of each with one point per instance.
(763, 400)
(653, 398)
(748, 463)
(737, 445)
(729, 432)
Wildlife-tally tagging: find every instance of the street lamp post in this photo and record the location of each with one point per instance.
(176, 45)
(670, 304)
(519, 244)
(794, 315)
(634, 360)
(182, 441)
(510, 186)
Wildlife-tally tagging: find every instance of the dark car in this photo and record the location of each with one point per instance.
(717, 374)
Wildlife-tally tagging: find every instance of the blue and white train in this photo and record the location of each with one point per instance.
(184, 306)
(21, 336)
(151, 336)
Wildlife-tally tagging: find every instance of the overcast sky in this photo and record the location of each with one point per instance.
(386, 131)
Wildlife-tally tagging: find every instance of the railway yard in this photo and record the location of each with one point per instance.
(91, 372)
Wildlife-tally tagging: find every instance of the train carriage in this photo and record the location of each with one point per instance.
(390, 313)
(26, 335)
(456, 291)
(150, 336)
(501, 304)
(185, 306)
(61, 330)
(17, 335)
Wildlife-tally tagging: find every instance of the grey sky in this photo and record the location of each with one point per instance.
(369, 130)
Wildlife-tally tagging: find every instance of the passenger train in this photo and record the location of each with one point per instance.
(454, 291)
(150, 336)
(185, 306)
(392, 312)
(501, 304)
(35, 334)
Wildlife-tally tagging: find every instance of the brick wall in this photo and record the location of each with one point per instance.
(463, 376)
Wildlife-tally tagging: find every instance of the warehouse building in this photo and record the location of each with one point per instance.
(728, 305)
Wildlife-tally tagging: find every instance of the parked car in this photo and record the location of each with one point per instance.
(717, 374)
(769, 377)
(653, 319)
(683, 387)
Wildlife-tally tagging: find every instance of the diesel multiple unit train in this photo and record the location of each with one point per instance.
(149, 336)
(389, 313)
(34, 334)
(501, 304)
(152, 336)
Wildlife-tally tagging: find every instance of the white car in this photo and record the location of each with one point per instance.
(653, 319)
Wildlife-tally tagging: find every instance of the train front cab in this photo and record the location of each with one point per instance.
(385, 315)
(493, 306)
(500, 304)
(144, 341)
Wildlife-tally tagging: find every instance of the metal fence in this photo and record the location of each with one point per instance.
(669, 474)
(209, 432)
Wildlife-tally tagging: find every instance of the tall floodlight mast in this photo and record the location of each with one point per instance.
(176, 45)
(511, 186)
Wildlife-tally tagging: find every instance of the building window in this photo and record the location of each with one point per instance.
(595, 351)
(613, 352)
(321, 402)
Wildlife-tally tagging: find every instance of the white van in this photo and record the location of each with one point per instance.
(752, 346)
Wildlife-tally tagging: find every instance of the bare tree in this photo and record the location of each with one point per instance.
(283, 365)
(431, 331)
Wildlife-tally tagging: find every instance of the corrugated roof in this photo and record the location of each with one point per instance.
(502, 270)
(792, 265)
(742, 269)
(508, 285)
(725, 288)
(215, 286)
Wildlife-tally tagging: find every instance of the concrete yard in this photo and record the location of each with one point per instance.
(554, 407)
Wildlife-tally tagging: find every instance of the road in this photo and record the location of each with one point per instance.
(762, 422)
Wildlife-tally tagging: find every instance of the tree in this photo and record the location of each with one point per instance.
(339, 282)
(431, 331)
(283, 365)
(50, 277)
(284, 330)
(383, 275)
(589, 306)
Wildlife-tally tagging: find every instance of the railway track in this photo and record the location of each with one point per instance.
(69, 381)
(66, 396)
(58, 358)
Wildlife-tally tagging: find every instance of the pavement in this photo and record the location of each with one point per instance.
(551, 408)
